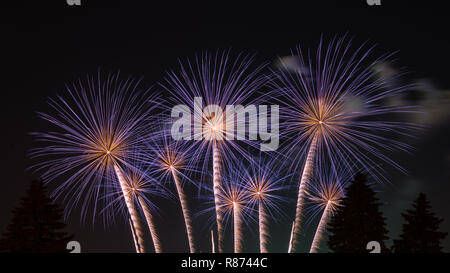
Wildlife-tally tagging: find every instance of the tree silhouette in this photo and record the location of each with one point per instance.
(358, 221)
(36, 224)
(421, 231)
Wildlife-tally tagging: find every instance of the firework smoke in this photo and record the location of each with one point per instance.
(335, 110)
(213, 247)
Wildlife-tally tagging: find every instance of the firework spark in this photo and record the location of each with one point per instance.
(218, 81)
(334, 109)
(97, 124)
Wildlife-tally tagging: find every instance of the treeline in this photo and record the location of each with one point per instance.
(359, 220)
(37, 224)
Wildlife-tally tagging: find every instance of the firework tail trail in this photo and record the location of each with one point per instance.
(307, 170)
(186, 212)
(151, 225)
(237, 224)
(134, 215)
(217, 174)
(263, 228)
(134, 236)
(321, 228)
(213, 247)
(290, 238)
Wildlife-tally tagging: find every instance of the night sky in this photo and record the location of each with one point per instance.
(46, 46)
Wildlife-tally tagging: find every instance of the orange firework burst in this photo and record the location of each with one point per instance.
(326, 193)
(97, 125)
(167, 160)
(264, 186)
(216, 80)
(233, 199)
(335, 110)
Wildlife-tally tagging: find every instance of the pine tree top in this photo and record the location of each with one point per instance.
(420, 233)
(36, 225)
(359, 220)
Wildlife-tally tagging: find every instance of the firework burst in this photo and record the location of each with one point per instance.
(97, 129)
(233, 199)
(335, 110)
(325, 194)
(167, 159)
(139, 186)
(217, 81)
(265, 187)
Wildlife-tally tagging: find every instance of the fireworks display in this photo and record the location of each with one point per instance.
(217, 80)
(325, 193)
(232, 202)
(98, 129)
(167, 160)
(114, 149)
(334, 109)
(265, 188)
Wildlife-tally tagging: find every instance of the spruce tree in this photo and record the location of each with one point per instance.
(358, 220)
(36, 225)
(420, 233)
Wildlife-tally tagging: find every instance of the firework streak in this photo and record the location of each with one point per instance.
(237, 225)
(263, 228)
(97, 128)
(217, 170)
(321, 228)
(219, 81)
(213, 247)
(134, 236)
(290, 238)
(151, 225)
(336, 109)
(307, 170)
(186, 212)
(134, 214)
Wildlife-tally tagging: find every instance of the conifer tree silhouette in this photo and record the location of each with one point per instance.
(36, 225)
(358, 220)
(420, 233)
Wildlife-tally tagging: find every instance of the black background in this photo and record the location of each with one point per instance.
(47, 45)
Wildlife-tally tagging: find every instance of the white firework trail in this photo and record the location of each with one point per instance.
(302, 191)
(237, 227)
(151, 225)
(134, 214)
(185, 210)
